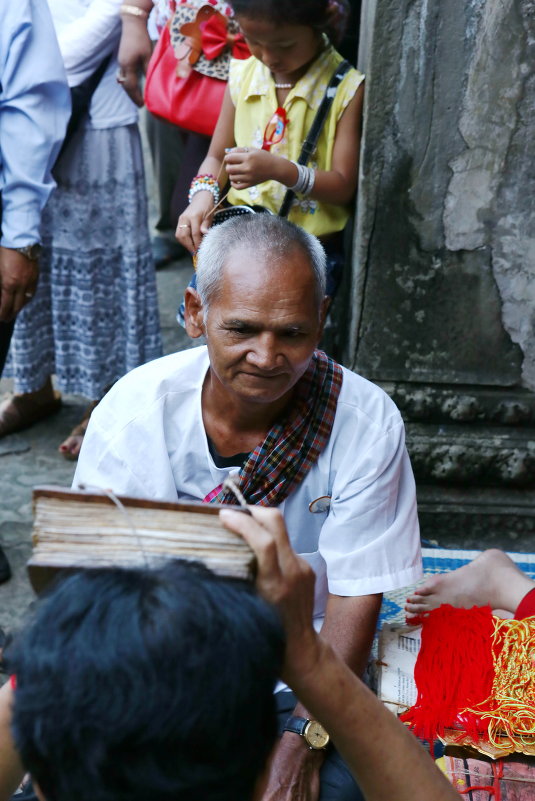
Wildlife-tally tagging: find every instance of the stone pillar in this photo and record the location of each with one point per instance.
(443, 291)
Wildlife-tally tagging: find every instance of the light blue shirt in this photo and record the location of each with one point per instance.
(34, 111)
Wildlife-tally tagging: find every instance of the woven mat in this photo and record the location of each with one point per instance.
(441, 560)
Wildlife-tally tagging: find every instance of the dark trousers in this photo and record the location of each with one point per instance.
(6, 330)
(336, 782)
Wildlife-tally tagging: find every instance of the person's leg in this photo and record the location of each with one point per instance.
(334, 250)
(6, 331)
(336, 781)
(165, 145)
(71, 446)
(492, 579)
(5, 575)
(21, 411)
(194, 152)
(526, 607)
(30, 359)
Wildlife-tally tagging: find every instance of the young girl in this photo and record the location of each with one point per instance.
(284, 82)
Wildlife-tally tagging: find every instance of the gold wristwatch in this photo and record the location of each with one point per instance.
(313, 733)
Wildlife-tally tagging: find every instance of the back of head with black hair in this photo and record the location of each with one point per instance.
(147, 684)
(326, 16)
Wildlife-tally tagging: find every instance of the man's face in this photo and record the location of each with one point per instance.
(262, 325)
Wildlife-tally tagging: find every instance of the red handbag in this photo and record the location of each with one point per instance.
(180, 91)
(192, 103)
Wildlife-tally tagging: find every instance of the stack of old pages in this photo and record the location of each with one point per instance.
(97, 529)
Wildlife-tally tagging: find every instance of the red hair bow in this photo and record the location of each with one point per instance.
(215, 37)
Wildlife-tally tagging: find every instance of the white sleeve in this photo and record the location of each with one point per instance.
(370, 540)
(86, 41)
(100, 466)
(129, 457)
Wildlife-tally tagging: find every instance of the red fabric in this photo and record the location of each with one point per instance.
(13, 682)
(526, 607)
(454, 669)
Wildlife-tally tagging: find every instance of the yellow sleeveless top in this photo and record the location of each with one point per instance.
(253, 93)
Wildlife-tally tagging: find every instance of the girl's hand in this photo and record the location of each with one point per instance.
(194, 221)
(247, 166)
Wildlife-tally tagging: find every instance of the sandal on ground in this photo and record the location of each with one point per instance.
(70, 447)
(18, 412)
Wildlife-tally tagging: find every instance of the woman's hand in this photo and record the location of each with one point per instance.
(248, 166)
(195, 221)
(134, 53)
(18, 282)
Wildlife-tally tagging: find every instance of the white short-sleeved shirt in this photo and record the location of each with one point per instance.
(146, 439)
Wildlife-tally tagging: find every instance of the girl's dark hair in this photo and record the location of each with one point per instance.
(326, 16)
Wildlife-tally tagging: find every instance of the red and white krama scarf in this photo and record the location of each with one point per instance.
(276, 466)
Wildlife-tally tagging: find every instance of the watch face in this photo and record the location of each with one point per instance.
(34, 251)
(315, 735)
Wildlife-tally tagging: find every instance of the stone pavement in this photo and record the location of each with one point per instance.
(31, 457)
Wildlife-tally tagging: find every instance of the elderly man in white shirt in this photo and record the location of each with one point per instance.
(34, 110)
(297, 430)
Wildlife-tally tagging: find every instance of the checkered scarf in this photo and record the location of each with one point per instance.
(276, 466)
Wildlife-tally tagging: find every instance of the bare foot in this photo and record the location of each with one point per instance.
(71, 446)
(492, 579)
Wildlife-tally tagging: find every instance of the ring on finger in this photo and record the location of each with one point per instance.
(28, 294)
(120, 77)
(183, 225)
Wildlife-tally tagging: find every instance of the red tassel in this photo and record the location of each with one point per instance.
(454, 670)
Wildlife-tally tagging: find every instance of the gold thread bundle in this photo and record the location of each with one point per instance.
(510, 708)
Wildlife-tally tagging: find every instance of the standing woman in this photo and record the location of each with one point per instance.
(94, 316)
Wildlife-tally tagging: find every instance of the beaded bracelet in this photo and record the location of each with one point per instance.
(305, 179)
(133, 11)
(204, 183)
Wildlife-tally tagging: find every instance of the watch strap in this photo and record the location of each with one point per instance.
(296, 725)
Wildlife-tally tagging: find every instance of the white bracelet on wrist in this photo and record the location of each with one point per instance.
(214, 191)
(305, 179)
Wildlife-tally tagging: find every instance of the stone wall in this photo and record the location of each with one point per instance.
(443, 290)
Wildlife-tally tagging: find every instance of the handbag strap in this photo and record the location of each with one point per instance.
(311, 141)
